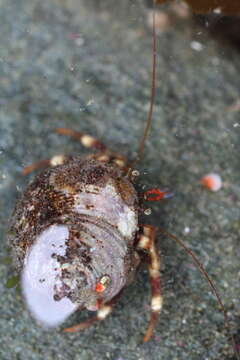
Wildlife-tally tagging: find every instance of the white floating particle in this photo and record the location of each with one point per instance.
(79, 42)
(196, 45)
(187, 230)
(90, 102)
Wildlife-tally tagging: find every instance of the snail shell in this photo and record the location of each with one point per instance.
(74, 226)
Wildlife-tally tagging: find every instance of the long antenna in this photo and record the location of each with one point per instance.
(210, 282)
(153, 90)
(153, 95)
(139, 157)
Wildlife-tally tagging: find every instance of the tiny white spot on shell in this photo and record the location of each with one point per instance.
(127, 222)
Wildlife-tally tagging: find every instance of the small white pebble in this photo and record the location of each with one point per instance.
(196, 45)
(212, 181)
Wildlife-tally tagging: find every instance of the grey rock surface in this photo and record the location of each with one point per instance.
(86, 65)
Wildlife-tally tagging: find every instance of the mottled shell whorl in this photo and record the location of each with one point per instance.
(74, 226)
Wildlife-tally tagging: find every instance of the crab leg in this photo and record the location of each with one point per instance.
(54, 161)
(147, 242)
(85, 139)
(102, 313)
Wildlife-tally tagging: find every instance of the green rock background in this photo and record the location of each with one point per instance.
(86, 65)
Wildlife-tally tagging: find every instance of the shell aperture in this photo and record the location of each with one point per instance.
(41, 277)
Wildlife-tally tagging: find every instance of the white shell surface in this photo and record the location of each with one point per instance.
(106, 203)
(41, 273)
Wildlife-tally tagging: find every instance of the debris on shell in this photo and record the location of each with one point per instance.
(212, 181)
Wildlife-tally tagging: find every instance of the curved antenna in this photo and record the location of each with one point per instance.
(153, 95)
(214, 290)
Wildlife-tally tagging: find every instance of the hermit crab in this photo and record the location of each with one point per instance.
(77, 239)
(76, 236)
